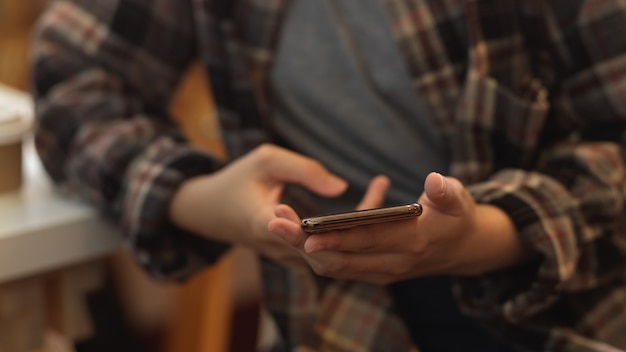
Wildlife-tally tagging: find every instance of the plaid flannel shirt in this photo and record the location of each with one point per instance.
(529, 95)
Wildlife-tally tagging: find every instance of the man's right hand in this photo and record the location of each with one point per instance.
(235, 204)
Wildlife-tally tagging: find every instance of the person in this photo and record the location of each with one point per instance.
(333, 105)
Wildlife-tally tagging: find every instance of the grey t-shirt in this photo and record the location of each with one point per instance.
(343, 95)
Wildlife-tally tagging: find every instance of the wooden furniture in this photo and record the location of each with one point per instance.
(16, 20)
(218, 309)
(43, 239)
(51, 250)
(45, 235)
(41, 230)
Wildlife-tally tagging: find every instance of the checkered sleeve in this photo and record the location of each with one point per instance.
(570, 209)
(104, 72)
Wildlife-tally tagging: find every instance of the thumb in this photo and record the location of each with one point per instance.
(445, 194)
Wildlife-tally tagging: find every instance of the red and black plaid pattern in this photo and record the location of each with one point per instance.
(529, 95)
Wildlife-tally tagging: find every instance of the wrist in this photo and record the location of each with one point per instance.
(186, 205)
(493, 243)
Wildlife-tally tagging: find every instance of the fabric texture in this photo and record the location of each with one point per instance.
(541, 80)
(337, 76)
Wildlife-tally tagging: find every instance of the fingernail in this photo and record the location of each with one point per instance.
(444, 184)
(277, 230)
(310, 248)
(278, 211)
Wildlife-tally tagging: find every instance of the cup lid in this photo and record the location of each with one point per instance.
(13, 125)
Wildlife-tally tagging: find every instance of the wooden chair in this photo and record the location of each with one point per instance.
(207, 308)
(224, 298)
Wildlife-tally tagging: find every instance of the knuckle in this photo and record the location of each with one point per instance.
(337, 266)
(331, 269)
(321, 270)
(286, 258)
(381, 281)
(398, 271)
(265, 152)
(266, 148)
(417, 247)
(367, 243)
(310, 167)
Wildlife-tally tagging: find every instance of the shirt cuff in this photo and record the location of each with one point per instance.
(544, 214)
(164, 250)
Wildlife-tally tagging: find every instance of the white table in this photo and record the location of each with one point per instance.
(46, 240)
(40, 230)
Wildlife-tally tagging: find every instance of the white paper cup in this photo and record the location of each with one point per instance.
(13, 129)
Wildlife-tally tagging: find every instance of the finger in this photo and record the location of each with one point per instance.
(287, 226)
(396, 236)
(284, 254)
(375, 195)
(286, 212)
(286, 166)
(445, 194)
(374, 268)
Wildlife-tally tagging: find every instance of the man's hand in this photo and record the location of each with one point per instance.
(235, 204)
(453, 236)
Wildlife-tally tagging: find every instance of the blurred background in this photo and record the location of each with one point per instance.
(90, 302)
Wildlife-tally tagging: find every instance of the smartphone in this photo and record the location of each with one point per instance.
(351, 219)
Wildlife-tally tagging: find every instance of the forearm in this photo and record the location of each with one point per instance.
(192, 209)
(103, 127)
(493, 243)
(549, 221)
